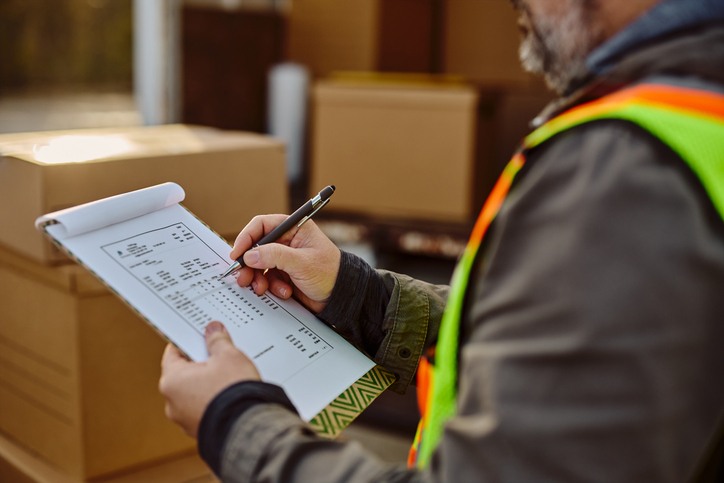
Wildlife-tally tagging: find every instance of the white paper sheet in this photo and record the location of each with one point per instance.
(166, 264)
(109, 211)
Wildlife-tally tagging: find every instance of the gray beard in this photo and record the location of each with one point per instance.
(558, 47)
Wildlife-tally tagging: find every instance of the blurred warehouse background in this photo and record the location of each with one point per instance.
(410, 107)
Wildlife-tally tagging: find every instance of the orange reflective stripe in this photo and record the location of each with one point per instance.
(681, 100)
(423, 384)
(496, 197)
(707, 103)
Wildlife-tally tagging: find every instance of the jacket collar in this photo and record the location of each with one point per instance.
(664, 18)
(684, 37)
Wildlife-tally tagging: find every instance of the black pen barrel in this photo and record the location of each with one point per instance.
(287, 224)
(327, 192)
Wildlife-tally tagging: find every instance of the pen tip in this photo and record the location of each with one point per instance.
(333, 188)
(230, 270)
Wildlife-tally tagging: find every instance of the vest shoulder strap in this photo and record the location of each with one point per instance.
(690, 121)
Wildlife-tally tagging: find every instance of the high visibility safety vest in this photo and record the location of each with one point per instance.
(690, 121)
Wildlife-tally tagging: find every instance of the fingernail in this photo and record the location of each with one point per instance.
(214, 327)
(253, 285)
(251, 257)
(283, 292)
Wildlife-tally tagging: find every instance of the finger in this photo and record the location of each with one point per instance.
(275, 255)
(245, 276)
(277, 285)
(171, 357)
(217, 338)
(260, 284)
(253, 232)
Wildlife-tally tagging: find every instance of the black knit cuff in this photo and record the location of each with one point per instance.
(357, 304)
(348, 292)
(223, 411)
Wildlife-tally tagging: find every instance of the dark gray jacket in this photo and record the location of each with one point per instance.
(593, 333)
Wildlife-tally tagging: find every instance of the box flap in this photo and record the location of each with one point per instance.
(396, 96)
(106, 144)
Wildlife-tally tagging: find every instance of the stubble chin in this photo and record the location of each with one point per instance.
(556, 46)
(532, 51)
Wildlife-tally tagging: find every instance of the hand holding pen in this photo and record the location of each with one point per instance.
(302, 260)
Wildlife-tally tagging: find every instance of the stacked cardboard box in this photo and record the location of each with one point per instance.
(78, 372)
(474, 40)
(481, 42)
(78, 369)
(362, 35)
(18, 465)
(228, 176)
(477, 39)
(396, 150)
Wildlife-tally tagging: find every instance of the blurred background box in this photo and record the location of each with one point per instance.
(229, 177)
(400, 150)
(481, 41)
(226, 55)
(79, 372)
(19, 465)
(363, 35)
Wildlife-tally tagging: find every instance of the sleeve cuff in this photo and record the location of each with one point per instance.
(344, 302)
(357, 304)
(226, 408)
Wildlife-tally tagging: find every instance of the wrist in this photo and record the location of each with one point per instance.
(224, 410)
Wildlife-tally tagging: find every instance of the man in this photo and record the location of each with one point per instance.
(584, 337)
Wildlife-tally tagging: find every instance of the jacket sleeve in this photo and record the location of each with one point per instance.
(590, 339)
(391, 317)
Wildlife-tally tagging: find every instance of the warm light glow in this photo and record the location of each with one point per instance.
(76, 149)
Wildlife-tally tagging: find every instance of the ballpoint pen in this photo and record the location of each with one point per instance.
(298, 218)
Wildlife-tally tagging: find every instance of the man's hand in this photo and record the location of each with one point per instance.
(189, 387)
(303, 261)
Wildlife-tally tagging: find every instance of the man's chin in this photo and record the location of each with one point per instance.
(532, 55)
(556, 48)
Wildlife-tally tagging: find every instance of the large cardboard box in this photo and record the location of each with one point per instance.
(481, 40)
(79, 373)
(396, 150)
(18, 465)
(363, 35)
(229, 177)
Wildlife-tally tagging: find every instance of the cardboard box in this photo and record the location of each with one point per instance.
(481, 40)
(362, 35)
(396, 150)
(229, 177)
(79, 372)
(18, 465)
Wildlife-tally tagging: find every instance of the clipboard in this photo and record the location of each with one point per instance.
(164, 263)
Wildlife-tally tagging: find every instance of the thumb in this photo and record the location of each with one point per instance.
(217, 338)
